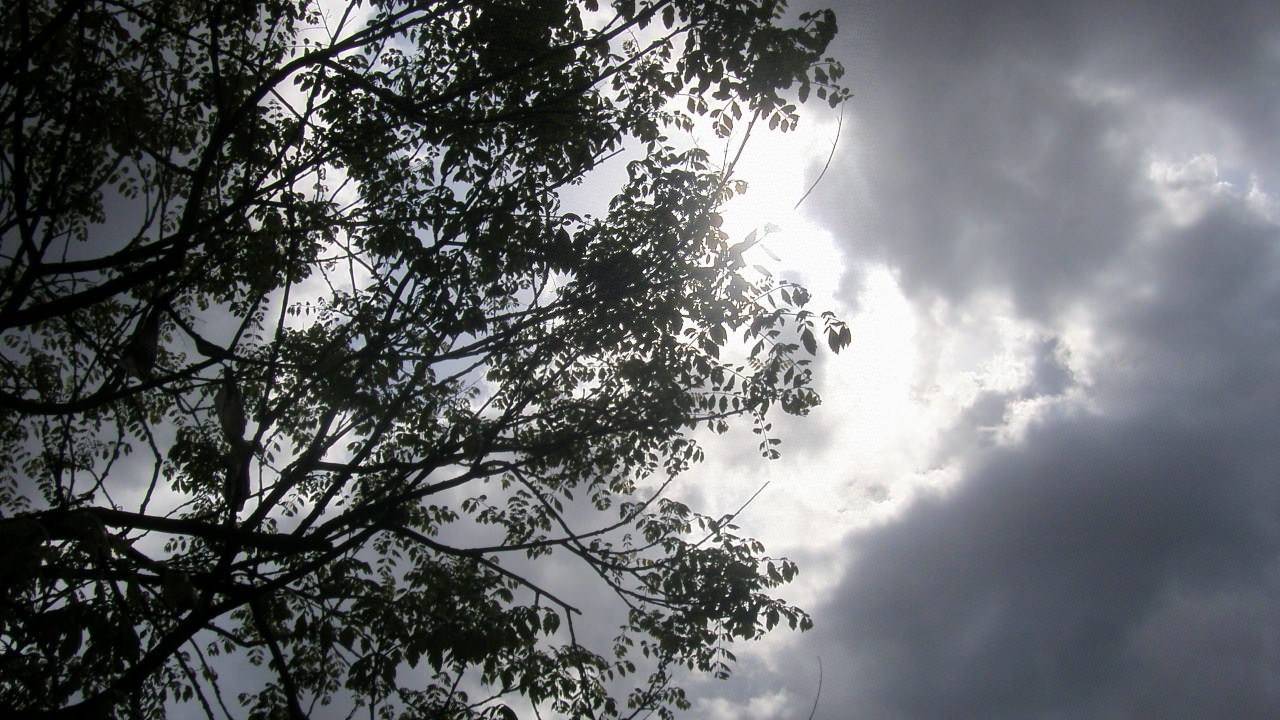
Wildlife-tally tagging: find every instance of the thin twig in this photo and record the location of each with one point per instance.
(817, 696)
(832, 154)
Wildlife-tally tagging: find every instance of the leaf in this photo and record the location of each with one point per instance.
(839, 339)
(718, 335)
(810, 345)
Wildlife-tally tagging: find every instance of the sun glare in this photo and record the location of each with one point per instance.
(778, 170)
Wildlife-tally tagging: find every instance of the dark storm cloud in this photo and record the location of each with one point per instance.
(1120, 561)
(1122, 558)
(1214, 334)
(1006, 146)
(1076, 577)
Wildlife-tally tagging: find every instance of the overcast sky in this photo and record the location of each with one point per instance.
(1046, 482)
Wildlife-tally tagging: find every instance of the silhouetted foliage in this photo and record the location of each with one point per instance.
(306, 365)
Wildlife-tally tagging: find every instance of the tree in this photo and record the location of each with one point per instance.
(305, 362)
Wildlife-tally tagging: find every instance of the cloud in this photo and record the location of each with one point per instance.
(978, 170)
(1082, 187)
(1114, 560)
(992, 146)
(1061, 580)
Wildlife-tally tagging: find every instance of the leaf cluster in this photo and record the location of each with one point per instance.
(304, 362)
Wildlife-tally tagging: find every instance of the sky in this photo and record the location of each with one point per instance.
(1045, 480)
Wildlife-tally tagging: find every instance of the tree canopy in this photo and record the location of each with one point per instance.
(308, 364)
